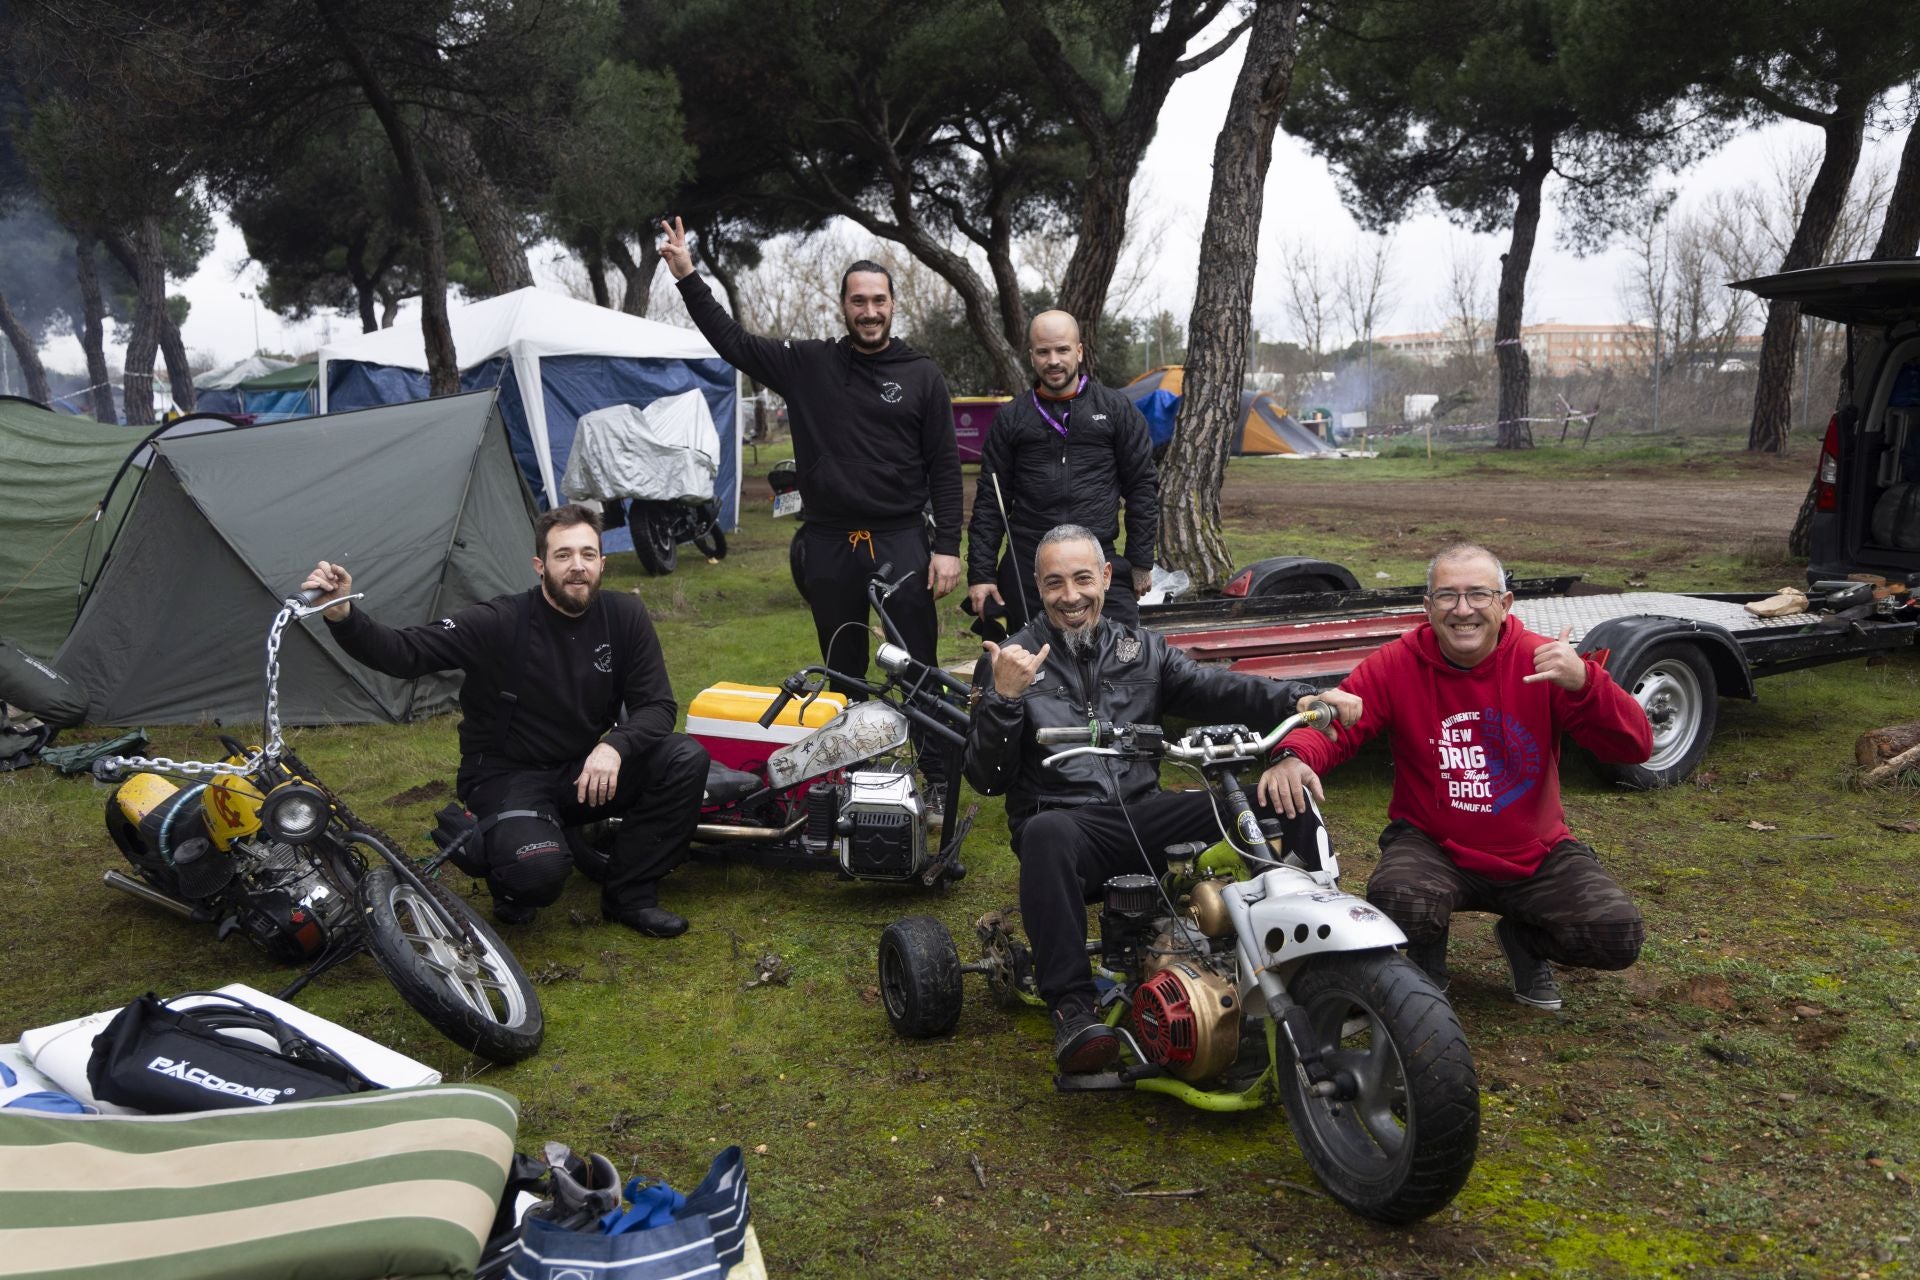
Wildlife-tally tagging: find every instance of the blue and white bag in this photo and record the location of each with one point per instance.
(658, 1235)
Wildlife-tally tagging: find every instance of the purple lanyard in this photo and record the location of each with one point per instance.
(1056, 423)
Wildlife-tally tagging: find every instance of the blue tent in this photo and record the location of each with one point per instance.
(553, 359)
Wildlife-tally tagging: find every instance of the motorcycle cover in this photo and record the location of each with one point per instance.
(666, 452)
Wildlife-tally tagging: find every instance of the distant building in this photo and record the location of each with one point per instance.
(1556, 350)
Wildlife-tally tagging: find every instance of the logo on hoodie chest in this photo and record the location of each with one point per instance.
(892, 392)
(1485, 761)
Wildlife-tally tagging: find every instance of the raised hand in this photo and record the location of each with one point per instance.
(1557, 661)
(332, 581)
(1014, 668)
(674, 251)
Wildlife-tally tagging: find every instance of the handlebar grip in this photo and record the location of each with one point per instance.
(309, 595)
(1322, 712)
(1078, 733)
(779, 704)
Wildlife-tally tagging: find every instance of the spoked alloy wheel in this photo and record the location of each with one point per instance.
(1397, 1139)
(454, 971)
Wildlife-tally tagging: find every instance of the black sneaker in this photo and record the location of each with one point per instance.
(507, 911)
(1533, 981)
(654, 922)
(1081, 1042)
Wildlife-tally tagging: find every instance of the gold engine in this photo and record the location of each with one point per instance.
(1187, 1019)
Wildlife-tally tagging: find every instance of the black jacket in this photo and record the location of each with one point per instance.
(577, 675)
(1106, 459)
(872, 435)
(1133, 677)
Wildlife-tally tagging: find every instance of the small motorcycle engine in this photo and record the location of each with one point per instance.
(1188, 1020)
(1126, 921)
(882, 825)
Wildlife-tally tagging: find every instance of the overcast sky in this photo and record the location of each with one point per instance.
(1301, 203)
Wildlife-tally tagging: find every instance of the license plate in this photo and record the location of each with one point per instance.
(786, 504)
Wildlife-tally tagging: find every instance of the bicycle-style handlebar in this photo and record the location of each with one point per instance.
(1213, 744)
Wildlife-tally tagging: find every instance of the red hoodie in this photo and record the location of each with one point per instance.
(1476, 752)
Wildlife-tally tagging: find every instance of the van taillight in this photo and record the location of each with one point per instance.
(1826, 480)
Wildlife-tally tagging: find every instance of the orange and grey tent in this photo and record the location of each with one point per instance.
(1265, 425)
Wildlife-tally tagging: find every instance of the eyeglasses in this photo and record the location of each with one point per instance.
(1478, 597)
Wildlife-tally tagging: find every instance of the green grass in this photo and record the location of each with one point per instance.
(1687, 1117)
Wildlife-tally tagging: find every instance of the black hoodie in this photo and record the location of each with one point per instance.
(872, 434)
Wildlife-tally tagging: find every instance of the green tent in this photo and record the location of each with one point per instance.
(54, 467)
(421, 501)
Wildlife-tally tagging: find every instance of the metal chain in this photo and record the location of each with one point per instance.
(270, 752)
(274, 746)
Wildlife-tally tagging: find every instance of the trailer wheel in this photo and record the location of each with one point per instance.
(1674, 684)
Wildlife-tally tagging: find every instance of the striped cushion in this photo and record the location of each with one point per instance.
(400, 1183)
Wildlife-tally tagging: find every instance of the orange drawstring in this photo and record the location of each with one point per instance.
(859, 536)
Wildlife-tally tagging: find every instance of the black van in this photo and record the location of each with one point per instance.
(1867, 492)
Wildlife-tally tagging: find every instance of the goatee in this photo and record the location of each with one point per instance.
(1080, 642)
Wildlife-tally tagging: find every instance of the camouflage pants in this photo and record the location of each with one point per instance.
(1569, 911)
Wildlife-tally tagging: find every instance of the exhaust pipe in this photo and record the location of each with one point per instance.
(721, 833)
(147, 893)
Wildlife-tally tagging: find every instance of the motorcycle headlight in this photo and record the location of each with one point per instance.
(294, 812)
(893, 659)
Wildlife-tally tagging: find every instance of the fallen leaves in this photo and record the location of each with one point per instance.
(1905, 826)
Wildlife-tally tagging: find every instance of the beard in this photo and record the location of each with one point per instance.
(570, 602)
(1080, 641)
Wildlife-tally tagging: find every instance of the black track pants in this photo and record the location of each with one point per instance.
(657, 798)
(838, 566)
(1068, 854)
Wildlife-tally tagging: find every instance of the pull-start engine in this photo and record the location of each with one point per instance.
(1187, 1020)
(875, 822)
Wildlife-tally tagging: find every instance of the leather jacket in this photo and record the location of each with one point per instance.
(1133, 676)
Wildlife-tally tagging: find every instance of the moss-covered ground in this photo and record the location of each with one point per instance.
(1744, 1102)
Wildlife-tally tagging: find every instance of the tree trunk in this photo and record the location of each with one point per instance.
(443, 367)
(496, 232)
(1115, 143)
(1773, 393)
(1877, 746)
(149, 309)
(593, 256)
(1223, 301)
(1509, 353)
(1900, 230)
(1006, 282)
(179, 376)
(93, 331)
(638, 275)
(365, 292)
(132, 257)
(36, 373)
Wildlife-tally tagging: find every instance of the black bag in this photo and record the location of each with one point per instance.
(162, 1060)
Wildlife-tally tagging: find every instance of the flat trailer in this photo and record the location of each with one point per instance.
(1677, 653)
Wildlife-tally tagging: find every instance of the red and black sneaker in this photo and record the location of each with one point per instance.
(1081, 1042)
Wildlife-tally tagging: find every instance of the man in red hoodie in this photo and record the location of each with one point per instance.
(1475, 705)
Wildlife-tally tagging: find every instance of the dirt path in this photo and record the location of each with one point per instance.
(1607, 523)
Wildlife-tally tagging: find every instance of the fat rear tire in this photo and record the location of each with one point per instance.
(1403, 1146)
(451, 967)
(1674, 684)
(920, 977)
